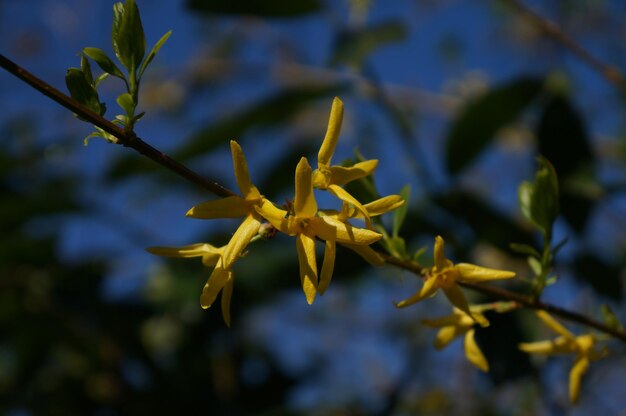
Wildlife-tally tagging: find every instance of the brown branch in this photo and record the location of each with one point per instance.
(126, 138)
(612, 74)
(129, 139)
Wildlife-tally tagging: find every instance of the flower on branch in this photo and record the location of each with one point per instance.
(455, 325)
(583, 347)
(445, 275)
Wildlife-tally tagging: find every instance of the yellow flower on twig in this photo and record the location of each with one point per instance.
(332, 178)
(306, 225)
(219, 280)
(445, 275)
(455, 325)
(583, 347)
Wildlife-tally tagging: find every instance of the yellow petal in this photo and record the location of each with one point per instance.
(229, 207)
(369, 255)
(457, 298)
(343, 195)
(341, 175)
(575, 377)
(242, 175)
(449, 320)
(304, 202)
(446, 335)
(329, 228)
(239, 241)
(279, 218)
(428, 289)
(332, 133)
(330, 251)
(440, 256)
(473, 273)
(473, 353)
(216, 282)
(308, 265)
(554, 325)
(227, 294)
(556, 346)
(383, 205)
(210, 254)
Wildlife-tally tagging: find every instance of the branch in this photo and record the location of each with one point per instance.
(129, 139)
(609, 72)
(125, 137)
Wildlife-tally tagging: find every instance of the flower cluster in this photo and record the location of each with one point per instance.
(302, 220)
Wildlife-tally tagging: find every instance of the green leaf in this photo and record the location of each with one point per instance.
(82, 91)
(129, 40)
(153, 52)
(525, 249)
(266, 8)
(125, 101)
(400, 213)
(535, 266)
(609, 317)
(539, 200)
(104, 62)
(478, 122)
(86, 68)
(354, 46)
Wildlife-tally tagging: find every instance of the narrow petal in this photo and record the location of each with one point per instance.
(304, 202)
(446, 335)
(242, 175)
(332, 133)
(457, 298)
(575, 377)
(473, 273)
(341, 175)
(343, 195)
(473, 353)
(449, 320)
(210, 254)
(308, 265)
(216, 282)
(279, 218)
(428, 289)
(229, 207)
(227, 294)
(369, 254)
(330, 251)
(383, 205)
(329, 228)
(440, 256)
(554, 325)
(239, 241)
(556, 346)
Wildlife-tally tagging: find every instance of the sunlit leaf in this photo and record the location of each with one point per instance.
(104, 62)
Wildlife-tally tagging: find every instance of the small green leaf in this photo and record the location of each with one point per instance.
(400, 213)
(86, 68)
(125, 101)
(476, 125)
(609, 317)
(535, 265)
(100, 78)
(82, 91)
(129, 40)
(417, 256)
(104, 62)
(525, 249)
(153, 52)
(399, 247)
(539, 200)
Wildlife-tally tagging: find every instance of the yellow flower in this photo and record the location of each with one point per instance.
(445, 275)
(582, 346)
(219, 280)
(306, 225)
(235, 206)
(332, 178)
(454, 326)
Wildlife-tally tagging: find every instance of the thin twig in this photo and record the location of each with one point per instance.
(609, 72)
(126, 138)
(129, 139)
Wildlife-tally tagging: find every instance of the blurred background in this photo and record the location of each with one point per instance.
(455, 98)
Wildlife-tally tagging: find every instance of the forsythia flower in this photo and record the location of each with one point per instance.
(454, 326)
(332, 178)
(306, 225)
(220, 280)
(235, 206)
(445, 275)
(582, 346)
